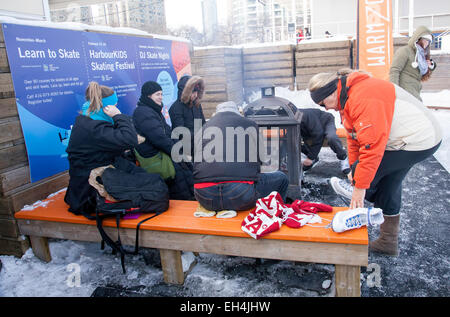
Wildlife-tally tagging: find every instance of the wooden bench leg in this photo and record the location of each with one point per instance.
(172, 266)
(40, 248)
(347, 279)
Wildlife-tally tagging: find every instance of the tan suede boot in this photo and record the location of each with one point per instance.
(387, 242)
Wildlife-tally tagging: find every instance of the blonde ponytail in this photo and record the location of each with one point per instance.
(94, 94)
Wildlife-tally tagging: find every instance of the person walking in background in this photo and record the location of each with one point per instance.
(307, 34)
(315, 127)
(389, 131)
(412, 63)
(300, 35)
(188, 106)
(99, 135)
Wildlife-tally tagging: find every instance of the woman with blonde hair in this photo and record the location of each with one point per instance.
(388, 131)
(100, 134)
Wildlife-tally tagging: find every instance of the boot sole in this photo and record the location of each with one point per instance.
(391, 254)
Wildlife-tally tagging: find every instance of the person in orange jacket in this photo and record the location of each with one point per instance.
(389, 131)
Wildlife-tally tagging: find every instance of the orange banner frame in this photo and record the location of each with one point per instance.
(375, 41)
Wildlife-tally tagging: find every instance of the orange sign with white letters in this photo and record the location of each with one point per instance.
(375, 42)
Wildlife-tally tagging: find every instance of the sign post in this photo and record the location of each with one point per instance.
(375, 42)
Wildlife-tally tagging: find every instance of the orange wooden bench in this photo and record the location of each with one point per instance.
(341, 133)
(178, 230)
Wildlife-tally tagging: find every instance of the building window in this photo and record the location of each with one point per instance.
(437, 43)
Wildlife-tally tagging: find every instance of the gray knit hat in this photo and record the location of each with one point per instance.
(229, 106)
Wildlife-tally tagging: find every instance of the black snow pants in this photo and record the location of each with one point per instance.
(386, 188)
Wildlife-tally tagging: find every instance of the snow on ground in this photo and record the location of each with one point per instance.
(216, 275)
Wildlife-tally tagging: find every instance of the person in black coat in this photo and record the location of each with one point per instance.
(151, 124)
(99, 135)
(316, 125)
(187, 107)
(231, 178)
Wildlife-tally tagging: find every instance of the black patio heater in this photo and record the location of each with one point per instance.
(278, 118)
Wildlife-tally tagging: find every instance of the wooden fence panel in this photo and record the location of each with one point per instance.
(314, 58)
(268, 66)
(221, 69)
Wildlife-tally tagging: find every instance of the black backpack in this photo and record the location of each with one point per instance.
(137, 192)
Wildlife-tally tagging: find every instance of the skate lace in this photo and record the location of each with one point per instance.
(352, 222)
(318, 226)
(321, 219)
(347, 186)
(286, 214)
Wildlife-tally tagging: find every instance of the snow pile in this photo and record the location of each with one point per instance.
(300, 98)
(336, 38)
(436, 99)
(441, 99)
(76, 269)
(41, 203)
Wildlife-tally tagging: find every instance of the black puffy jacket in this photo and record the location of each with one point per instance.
(222, 170)
(181, 113)
(312, 128)
(150, 123)
(94, 143)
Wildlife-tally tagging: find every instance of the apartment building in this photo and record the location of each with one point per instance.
(146, 15)
(267, 20)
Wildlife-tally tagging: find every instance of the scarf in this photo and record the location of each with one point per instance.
(145, 101)
(421, 60)
(100, 114)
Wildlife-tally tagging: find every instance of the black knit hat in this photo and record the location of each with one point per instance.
(149, 88)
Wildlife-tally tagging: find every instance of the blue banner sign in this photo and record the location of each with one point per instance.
(51, 69)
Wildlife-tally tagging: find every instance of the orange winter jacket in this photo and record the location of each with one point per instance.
(367, 116)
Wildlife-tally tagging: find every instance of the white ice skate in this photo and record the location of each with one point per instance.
(342, 187)
(356, 218)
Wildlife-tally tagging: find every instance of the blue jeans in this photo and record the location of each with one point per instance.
(240, 196)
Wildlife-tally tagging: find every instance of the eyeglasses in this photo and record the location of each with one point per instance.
(321, 104)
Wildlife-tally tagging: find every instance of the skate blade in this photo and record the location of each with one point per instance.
(345, 200)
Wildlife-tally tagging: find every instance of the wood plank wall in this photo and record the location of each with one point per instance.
(314, 58)
(440, 78)
(268, 66)
(221, 69)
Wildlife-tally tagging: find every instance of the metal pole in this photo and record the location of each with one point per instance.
(305, 15)
(396, 14)
(411, 18)
(311, 9)
(272, 5)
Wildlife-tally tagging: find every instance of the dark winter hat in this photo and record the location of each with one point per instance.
(149, 88)
(320, 94)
